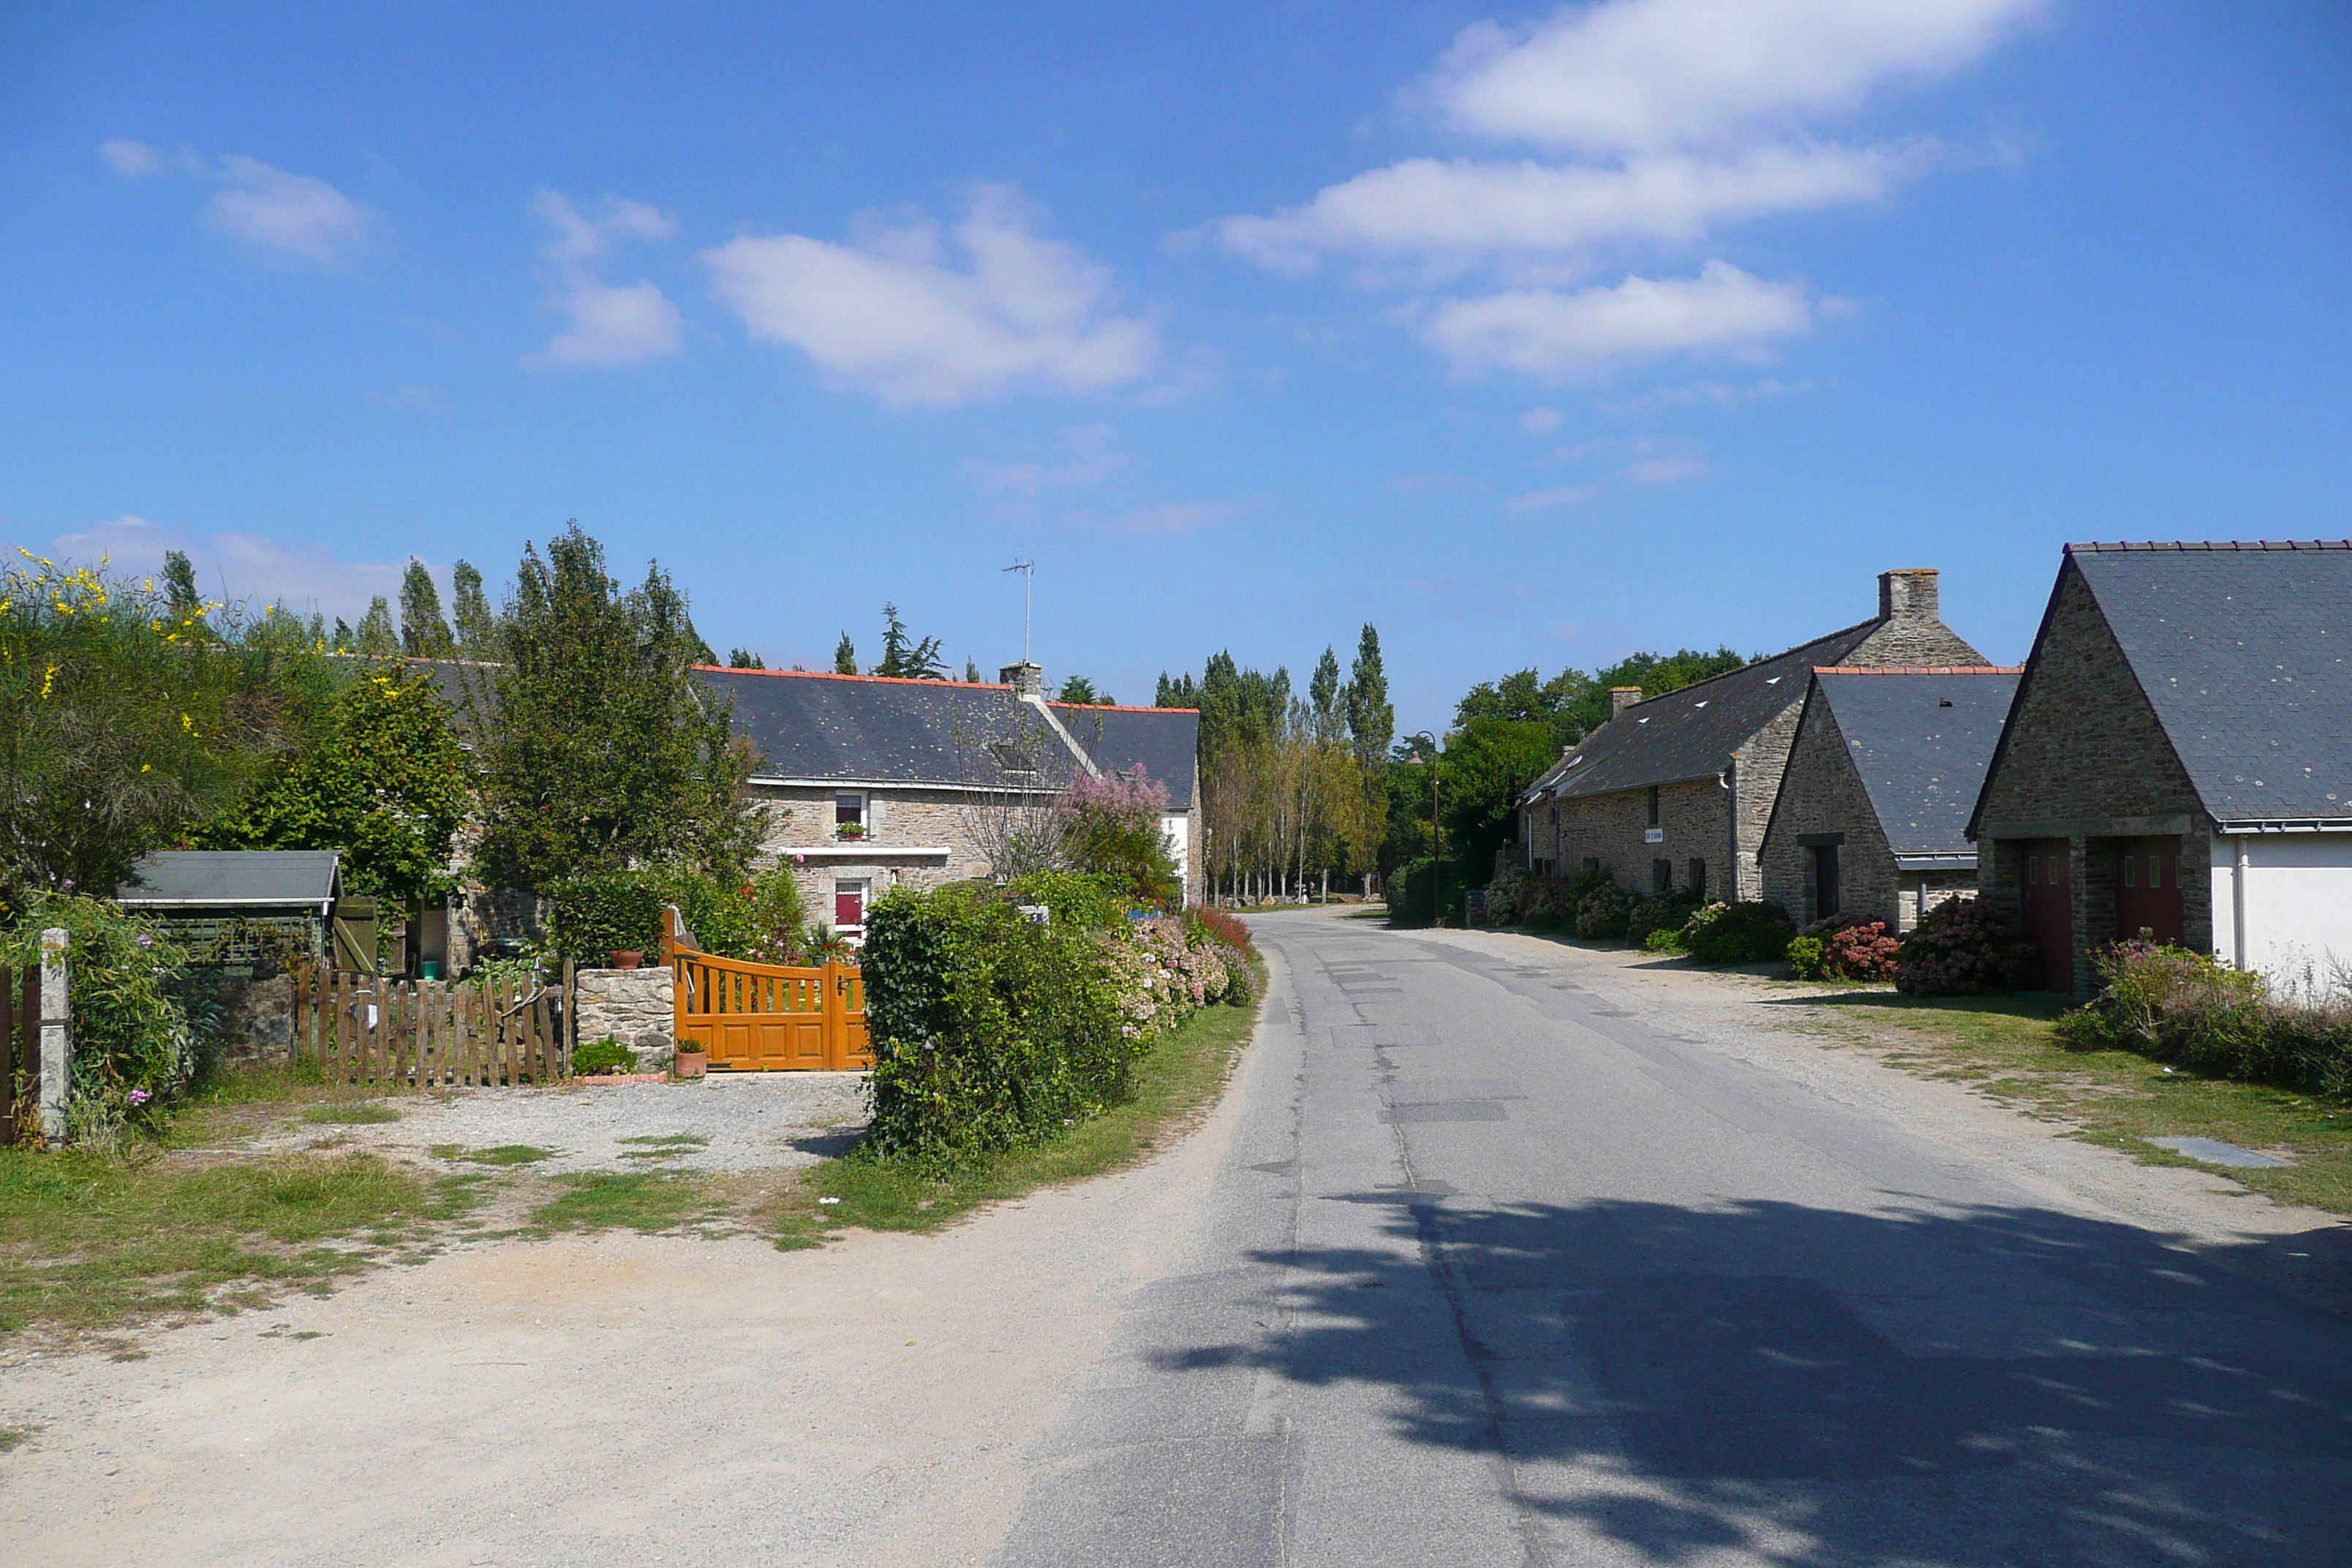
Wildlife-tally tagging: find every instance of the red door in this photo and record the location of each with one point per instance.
(2048, 900)
(848, 905)
(2148, 889)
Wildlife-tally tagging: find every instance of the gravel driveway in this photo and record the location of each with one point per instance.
(751, 1121)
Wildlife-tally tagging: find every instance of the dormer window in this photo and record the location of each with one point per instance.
(1011, 758)
(849, 815)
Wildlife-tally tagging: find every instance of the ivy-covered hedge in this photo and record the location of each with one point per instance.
(133, 1044)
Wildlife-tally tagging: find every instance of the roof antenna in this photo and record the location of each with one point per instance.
(1028, 570)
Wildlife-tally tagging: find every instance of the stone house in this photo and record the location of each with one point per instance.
(1674, 792)
(1873, 814)
(2178, 760)
(870, 782)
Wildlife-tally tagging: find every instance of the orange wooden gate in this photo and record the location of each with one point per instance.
(764, 1017)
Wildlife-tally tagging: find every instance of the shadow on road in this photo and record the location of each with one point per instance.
(1988, 1386)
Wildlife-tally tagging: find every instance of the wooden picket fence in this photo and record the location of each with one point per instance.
(426, 1033)
(20, 1051)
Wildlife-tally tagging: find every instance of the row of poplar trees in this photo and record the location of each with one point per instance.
(1294, 788)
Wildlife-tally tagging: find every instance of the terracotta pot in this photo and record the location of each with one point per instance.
(690, 1064)
(625, 959)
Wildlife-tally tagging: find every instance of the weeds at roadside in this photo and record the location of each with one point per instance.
(2003, 1047)
(663, 1145)
(643, 1201)
(15, 1438)
(500, 1155)
(366, 1113)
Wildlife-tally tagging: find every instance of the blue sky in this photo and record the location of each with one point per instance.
(1533, 336)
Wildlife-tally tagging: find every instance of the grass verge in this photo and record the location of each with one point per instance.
(89, 1244)
(644, 1201)
(2002, 1047)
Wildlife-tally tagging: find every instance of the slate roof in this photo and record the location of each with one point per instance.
(1920, 740)
(2245, 652)
(231, 878)
(870, 728)
(1691, 733)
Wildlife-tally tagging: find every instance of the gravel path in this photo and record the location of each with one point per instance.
(749, 1121)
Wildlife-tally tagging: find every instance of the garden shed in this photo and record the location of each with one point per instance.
(252, 908)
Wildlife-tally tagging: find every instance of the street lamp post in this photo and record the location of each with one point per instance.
(1436, 842)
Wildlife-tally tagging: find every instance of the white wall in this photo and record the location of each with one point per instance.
(1177, 828)
(2298, 901)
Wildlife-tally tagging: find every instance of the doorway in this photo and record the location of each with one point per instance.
(2147, 889)
(2046, 897)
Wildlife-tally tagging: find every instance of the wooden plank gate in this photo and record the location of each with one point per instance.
(424, 1033)
(20, 1052)
(765, 1017)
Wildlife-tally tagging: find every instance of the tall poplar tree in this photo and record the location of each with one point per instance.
(477, 628)
(423, 633)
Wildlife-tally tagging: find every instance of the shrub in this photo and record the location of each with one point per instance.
(1805, 956)
(1664, 939)
(1078, 900)
(1659, 912)
(1738, 933)
(593, 913)
(1226, 931)
(131, 1035)
(1845, 947)
(1503, 893)
(1603, 911)
(604, 1055)
(1112, 827)
(1412, 892)
(990, 1031)
(2182, 1006)
(1962, 947)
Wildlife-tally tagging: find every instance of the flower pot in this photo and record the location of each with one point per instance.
(689, 1064)
(626, 958)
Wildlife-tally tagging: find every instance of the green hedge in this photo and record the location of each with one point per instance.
(592, 914)
(1412, 892)
(988, 1031)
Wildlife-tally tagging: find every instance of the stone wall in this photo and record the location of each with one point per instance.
(2084, 759)
(1694, 820)
(256, 1020)
(1756, 770)
(634, 1006)
(1821, 792)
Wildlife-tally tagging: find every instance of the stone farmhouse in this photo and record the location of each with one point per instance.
(2178, 760)
(1674, 792)
(870, 782)
(1872, 813)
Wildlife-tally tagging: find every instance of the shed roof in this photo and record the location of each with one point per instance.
(1920, 740)
(231, 878)
(2245, 653)
(871, 729)
(1692, 733)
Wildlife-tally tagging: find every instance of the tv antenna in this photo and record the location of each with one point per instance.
(1028, 570)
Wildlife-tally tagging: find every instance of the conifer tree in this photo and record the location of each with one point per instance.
(845, 655)
(477, 628)
(1372, 722)
(179, 583)
(376, 636)
(423, 633)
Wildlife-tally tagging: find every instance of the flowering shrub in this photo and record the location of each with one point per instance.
(1603, 911)
(2178, 1005)
(1659, 912)
(1112, 827)
(131, 1031)
(1843, 947)
(1961, 947)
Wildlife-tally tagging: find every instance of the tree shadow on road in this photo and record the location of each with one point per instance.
(1810, 1386)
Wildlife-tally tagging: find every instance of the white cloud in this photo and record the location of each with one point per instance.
(1647, 462)
(240, 566)
(612, 324)
(1639, 75)
(294, 214)
(1093, 454)
(890, 314)
(1453, 214)
(1555, 335)
(1539, 421)
(132, 160)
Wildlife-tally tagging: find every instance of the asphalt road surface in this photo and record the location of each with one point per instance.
(1493, 1271)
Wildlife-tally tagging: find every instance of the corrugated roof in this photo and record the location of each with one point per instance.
(2245, 652)
(228, 878)
(1691, 733)
(1920, 740)
(875, 728)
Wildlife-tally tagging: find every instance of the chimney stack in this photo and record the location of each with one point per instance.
(1908, 595)
(1027, 680)
(1622, 698)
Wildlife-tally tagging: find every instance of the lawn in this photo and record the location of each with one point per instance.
(2002, 1046)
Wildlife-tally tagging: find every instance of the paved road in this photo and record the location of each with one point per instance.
(1495, 1272)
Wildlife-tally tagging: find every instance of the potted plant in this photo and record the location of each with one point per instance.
(626, 957)
(850, 830)
(691, 1062)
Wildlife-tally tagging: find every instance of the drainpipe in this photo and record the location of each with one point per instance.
(1731, 863)
(2237, 899)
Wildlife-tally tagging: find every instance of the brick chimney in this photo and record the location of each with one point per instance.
(1624, 697)
(1908, 594)
(1027, 680)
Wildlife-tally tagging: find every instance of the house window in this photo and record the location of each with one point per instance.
(2033, 871)
(1654, 805)
(849, 905)
(848, 815)
(1826, 880)
(1662, 876)
(2155, 870)
(1698, 880)
(2131, 870)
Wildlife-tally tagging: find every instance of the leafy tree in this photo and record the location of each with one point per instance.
(1327, 697)
(744, 658)
(1656, 674)
(1370, 719)
(602, 750)
(387, 783)
(1177, 691)
(845, 657)
(1485, 765)
(1078, 691)
(180, 593)
(375, 637)
(423, 633)
(469, 611)
(1111, 827)
(124, 724)
(902, 656)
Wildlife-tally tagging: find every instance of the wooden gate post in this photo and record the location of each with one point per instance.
(57, 1033)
